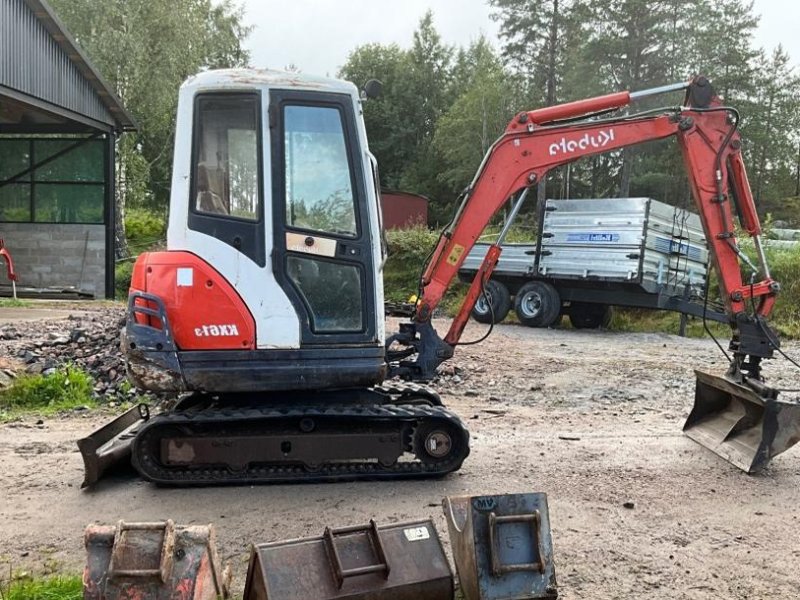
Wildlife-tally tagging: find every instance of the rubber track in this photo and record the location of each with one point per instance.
(146, 445)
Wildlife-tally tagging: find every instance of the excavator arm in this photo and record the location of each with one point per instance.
(536, 142)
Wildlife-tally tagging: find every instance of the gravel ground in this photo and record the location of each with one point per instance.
(592, 418)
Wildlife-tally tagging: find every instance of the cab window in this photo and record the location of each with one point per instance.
(225, 174)
(318, 173)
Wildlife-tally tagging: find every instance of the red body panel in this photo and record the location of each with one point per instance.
(204, 310)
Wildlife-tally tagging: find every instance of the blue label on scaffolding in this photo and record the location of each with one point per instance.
(592, 237)
(672, 246)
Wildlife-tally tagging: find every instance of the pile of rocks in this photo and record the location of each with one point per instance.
(89, 340)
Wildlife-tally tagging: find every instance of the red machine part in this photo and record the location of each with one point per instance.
(526, 152)
(204, 310)
(10, 273)
(153, 561)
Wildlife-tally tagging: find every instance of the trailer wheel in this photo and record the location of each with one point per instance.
(500, 298)
(584, 315)
(537, 304)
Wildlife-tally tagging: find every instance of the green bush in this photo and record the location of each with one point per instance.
(785, 268)
(144, 229)
(64, 389)
(408, 249)
(123, 272)
(50, 588)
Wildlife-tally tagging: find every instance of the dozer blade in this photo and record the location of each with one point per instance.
(110, 446)
(744, 424)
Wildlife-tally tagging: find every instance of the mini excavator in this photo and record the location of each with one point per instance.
(265, 313)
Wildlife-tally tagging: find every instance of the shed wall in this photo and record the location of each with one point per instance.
(58, 255)
(401, 211)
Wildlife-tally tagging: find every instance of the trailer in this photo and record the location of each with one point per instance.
(594, 254)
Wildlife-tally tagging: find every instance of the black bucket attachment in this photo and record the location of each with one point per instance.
(110, 446)
(745, 424)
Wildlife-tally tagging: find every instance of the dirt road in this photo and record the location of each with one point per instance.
(591, 418)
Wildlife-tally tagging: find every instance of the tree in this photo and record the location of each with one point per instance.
(145, 49)
(388, 119)
(721, 34)
(486, 103)
(418, 89)
(771, 126)
(537, 41)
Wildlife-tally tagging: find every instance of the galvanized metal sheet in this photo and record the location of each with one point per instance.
(629, 240)
(34, 63)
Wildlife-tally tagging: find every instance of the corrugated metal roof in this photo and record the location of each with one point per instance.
(40, 59)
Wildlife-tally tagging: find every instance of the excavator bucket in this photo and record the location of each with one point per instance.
(744, 425)
(153, 561)
(110, 446)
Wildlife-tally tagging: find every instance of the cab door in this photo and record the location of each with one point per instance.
(322, 256)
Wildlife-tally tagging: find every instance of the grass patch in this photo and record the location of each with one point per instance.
(660, 321)
(67, 388)
(49, 588)
(14, 303)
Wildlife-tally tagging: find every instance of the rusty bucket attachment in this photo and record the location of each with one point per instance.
(152, 561)
(502, 546)
(110, 446)
(393, 562)
(745, 424)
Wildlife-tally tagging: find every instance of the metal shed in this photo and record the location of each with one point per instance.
(59, 122)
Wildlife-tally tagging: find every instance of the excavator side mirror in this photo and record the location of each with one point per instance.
(373, 89)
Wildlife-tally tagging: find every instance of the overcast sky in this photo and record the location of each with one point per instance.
(317, 35)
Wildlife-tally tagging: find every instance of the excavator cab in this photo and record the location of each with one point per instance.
(271, 276)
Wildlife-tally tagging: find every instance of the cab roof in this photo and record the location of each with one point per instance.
(269, 78)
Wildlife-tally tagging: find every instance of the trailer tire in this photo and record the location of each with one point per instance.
(585, 315)
(537, 304)
(500, 298)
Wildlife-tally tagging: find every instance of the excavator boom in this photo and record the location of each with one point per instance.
(726, 417)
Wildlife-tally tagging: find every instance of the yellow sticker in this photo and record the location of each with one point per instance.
(455, 254)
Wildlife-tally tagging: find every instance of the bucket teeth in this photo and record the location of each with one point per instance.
(744, 426)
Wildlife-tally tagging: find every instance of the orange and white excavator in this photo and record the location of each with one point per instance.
(266, 310)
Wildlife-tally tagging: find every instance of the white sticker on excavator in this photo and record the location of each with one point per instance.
(416, 534)
(185, 277)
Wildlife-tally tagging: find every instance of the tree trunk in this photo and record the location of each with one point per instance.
(121, 240)
(797, 174)
(552, 51)
(627, 171)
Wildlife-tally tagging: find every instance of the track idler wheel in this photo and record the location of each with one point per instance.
(435, 444)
